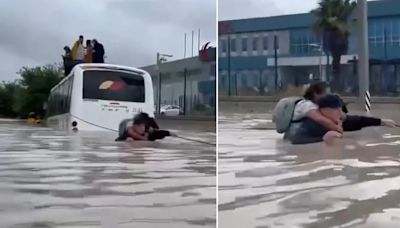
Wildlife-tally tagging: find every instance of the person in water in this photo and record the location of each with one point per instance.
(138, 131)
(310, 131)
(144, 128)
(307, 108)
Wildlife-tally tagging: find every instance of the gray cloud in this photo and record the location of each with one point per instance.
(33, 32)
(236, 9)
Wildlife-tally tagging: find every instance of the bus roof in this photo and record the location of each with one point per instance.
(86, 66)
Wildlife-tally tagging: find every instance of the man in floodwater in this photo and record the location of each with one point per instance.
(144, 128)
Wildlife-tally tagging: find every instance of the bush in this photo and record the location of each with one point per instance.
(28, 94)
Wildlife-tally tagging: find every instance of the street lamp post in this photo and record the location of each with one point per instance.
(276, 61)
(363, 55)
(318, 48)
(160, 59)
(229, 65)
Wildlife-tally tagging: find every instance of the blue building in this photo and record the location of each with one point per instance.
(269, 53)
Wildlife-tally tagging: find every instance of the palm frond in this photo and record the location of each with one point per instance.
(333, 14)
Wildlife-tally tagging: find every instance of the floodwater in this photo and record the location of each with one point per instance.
(265, 182)
(51, 179)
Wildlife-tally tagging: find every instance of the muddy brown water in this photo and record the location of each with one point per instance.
(265, 182)
(53, 179)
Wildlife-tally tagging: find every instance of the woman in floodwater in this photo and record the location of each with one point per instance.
(308, 111)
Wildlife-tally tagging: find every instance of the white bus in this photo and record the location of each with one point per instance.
(98, 97)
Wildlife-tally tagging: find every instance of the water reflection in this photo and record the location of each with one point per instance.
(265, 182)
(50, 179)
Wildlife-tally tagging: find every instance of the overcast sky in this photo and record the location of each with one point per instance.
(34, 32)
(236, 9)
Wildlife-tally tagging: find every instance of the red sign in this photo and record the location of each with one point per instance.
(207, 54)
(224, 27)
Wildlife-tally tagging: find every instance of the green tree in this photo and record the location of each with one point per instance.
(34, 88)
(7, 91)
(331, 24)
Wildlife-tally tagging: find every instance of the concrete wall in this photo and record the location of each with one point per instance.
(390, 106)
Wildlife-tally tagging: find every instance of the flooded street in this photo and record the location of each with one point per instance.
(51, 179)
(265, 182)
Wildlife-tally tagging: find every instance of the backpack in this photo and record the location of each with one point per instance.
(283, 113)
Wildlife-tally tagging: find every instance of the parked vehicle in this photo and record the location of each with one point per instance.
(171, 110)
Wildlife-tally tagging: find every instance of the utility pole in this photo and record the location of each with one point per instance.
(192, 43)
(184, 91)
(160, 58)
(159, 84)
(276, 61)
(229, 65)
(363, 55)
(198, 42)
(184, 48)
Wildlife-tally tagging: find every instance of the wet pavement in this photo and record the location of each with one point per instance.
(265, 182)
(52, 179)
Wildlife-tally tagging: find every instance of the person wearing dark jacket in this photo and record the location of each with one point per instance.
(98, 52)
(356, 122)
(332, 107)
(310, 131)
(144, 128)
(67, 61)
(308, 108)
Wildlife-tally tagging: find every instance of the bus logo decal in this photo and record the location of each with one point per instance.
(111, 85)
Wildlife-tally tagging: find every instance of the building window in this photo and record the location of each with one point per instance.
(390, 33)
(255, 43)
(233, 45)
(244, 44)
(379, 33)
(396, 33)
(224, 46)
(303, 43)
(265, 43)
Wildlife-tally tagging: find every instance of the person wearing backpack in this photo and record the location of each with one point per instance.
(296, 109)
(310, 131)
(143, 128)
(290, 111)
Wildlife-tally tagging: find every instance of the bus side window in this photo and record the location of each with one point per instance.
(64, 97)
(71, 81)
(50, 104)
(59, 100)
(56, 101)
(68, 95)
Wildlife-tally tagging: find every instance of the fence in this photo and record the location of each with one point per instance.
(384, 80)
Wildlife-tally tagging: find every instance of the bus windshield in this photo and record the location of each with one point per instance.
(113, 85)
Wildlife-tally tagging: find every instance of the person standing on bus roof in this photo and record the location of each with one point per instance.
(98, 54)
(67, 60)
(78, 51)
(89, 52)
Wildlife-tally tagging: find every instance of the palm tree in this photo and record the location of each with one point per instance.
(331, 25)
